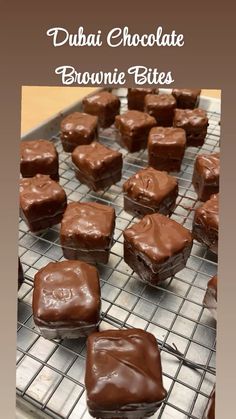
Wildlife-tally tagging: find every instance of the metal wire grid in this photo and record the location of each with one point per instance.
(50, 374)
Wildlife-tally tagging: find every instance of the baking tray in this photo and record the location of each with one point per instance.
(50, 374)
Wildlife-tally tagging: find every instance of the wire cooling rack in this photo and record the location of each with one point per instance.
(50, 374)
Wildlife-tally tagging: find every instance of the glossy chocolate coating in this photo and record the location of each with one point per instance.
(210, 299)
(166, 147)
(97, 166)
(134, 127)
(66, 298)
(186, 98)
(194, 122)
(87, 231)
(210, 410)
(42, 202)
(149, 191)
(136, 97)
(206, 223)
(157, 247)
(123, 374)
(104, 105)
(206, 175)
(38, 156)
(20, 274)
(161, 107)
(78, 128)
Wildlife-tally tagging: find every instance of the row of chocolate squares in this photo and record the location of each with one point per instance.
(66, 304)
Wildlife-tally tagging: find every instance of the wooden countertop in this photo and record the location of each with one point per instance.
(39, 102)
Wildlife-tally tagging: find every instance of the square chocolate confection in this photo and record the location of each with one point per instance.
(123, 375)
(136, 97)
(157, 248)
(104, 105)
(210, 299)
(66, 300)
(194, 122)
(206, 223)
(78, 128)
(210, 409)
(87, 231)
(97, 166)
(38, 157)
(186, 98)
(150, 191)
(166, 147)
(162, 108)
(134, 127)
(206, 175)
(42, 202)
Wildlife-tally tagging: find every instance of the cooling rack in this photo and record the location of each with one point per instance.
(50, 374)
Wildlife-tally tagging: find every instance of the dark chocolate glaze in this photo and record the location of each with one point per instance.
(104, 105)
(210, 298)
(66, 294)
(186, 98)
(87, 225)
(38, 156)
(206, 175)
(152, 188)
(161, 107)
(194, 122)
(20, 274)
(78, 128)
(123, 374)
(136, 97)
(210, 410)
(41, 198)
(206, 223)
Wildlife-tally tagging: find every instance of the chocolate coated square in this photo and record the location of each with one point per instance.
(136, 97)
(38, 156)
(97, 166)
(134, 127)
(123, 374)
(78, 128)
(161, 107)
(150, 191)
(87, 231)
(157, 248)
(206, 175)
(42, 202)
(210, 299)
(186, 98)
(104, 105)
(206, 223)
(166, 147)
(194, 122)
(66, 299)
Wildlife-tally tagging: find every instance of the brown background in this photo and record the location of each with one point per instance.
(207, 60)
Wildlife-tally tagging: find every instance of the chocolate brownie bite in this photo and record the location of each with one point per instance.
(206, 223)
(42, 202)
(38, 157)
(87, 231)
(166, 148)
(150, 191)
(206, 175)
(20, 274)
(97, 166)
(78, 128)
(157, 248)
(133, 129)
(136, 96)
(186, 98)
(161, 107)
(104, 105)
(123, 374)
(194, 122)
(210, 409)
(66, 299)
(210, 298)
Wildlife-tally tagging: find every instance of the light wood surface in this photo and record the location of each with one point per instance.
(41, 102)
